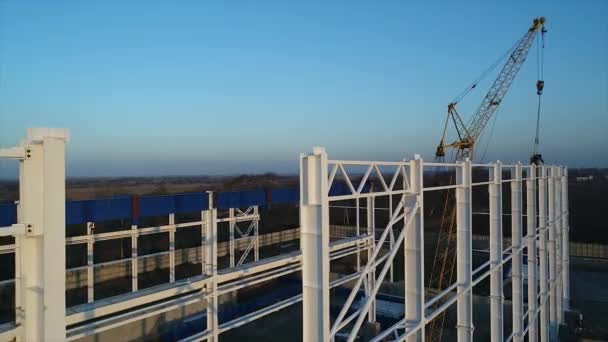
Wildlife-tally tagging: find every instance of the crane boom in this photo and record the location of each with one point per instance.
(443, 263)
(468, 135)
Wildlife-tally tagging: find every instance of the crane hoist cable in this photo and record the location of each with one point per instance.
(463, 148)
(483, 75)
(536, 157)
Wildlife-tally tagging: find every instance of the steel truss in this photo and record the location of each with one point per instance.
(40, 283)
(545, 241)
(98, 315)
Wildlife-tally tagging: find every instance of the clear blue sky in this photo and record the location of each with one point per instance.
(190, 87)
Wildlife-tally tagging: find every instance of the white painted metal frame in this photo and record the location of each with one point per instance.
(104, 314)
(252, 217)
(42, 159)
(317, 176)
(40, 265)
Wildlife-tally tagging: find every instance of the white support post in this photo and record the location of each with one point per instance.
(552, 257)
(464, 252)
(203, 243)
(371, 276)
(256, 227)
(172, 247)
(391, 235)
(496, 286)
(90, 263)
(134, 259)
(566, 240)
(314, 232)
(543, 255)
(517, 261)
(231, 228)
(532, 269)
(414, 255)
(358, 225)
(559, 244)
(204, 233)
(210, 223)
(42, 209)
(19, 314)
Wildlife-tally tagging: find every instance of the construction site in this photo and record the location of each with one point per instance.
(450, 249)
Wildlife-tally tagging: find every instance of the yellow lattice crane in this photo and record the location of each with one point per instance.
(464, 147)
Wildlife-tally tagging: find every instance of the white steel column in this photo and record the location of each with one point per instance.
(558, 244)
(134, 259)
(42, 209)
(391, 235)
(211, 271)
(531, 233)
(18, 280)
(566, 241)
(552, 257)
(464, 252)
(371, 276)
(543, 257)
(172, 247)
(314, 232)
(517, 262)
(358, 225)
(256, 228)
(90, 263)
(204, 234)
(414, 255)
(231, 224)
(496, 286)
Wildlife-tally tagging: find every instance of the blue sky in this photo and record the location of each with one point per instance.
(151, 88)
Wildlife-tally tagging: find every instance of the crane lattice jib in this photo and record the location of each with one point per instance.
(501, 85)
(443, 263)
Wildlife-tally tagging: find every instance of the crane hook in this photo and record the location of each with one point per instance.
(540, 85)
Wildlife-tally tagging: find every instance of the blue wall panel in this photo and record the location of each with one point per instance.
(240, 199)
(156, 205)
(188, 203)
(98, 210)
(8, 214)
(284, 195)
(167, 204)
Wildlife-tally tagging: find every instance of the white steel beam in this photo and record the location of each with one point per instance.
(42, 208)
(517, 261)
(464, 252)
(532, 252)
(414, 255)
(314, 223)
(496, 286)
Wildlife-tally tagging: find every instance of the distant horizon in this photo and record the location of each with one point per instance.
(200, 88)
(235, 175)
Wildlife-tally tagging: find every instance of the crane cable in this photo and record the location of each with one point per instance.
(540, 47)
(489, 137)
(483, 75)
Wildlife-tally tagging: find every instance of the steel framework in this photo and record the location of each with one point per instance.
(36, 315)
(543, 242)
(40, 279)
